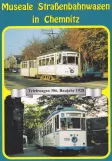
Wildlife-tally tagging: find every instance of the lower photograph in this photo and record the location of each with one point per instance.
(56, 126)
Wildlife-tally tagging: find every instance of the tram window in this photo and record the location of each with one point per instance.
(41, 133)
(50, 128)
(76, 60)
(47, 61)
(40, 63)
(43, 62)
(59, 59)
(83, 124)
(64, 60)
(35, 65)
(63, 123)
(45, 131)
(73, 123)
(32, 64)
(52, 61)
(57, 121)
(71, 59)
(25, 65)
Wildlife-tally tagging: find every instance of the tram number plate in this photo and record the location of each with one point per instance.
(66, 139)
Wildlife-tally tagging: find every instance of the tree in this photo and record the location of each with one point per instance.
(92, 43)
(32, 115)
(32, 120)
(31, 50)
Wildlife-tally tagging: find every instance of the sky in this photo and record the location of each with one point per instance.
(17, 39)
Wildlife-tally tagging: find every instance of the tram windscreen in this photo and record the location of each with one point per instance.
(68, 59)
(73, 123)
(70, 123)
(71, 59)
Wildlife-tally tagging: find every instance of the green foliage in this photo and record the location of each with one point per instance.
(32, 116)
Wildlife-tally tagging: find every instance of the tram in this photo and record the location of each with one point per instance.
(63, 130)
(50, 66)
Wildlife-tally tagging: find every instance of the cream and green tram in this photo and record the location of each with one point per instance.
(65, 130)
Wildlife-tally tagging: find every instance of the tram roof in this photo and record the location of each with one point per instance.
(63, 109)
(56, 52)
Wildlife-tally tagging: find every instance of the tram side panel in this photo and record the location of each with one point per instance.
(67, 70)
(47, 70)
(49, 141)
(25, 72)
(59, 70)
(38, 139)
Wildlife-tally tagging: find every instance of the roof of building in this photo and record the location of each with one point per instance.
(18, 58)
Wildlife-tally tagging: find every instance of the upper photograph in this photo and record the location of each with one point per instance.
(56, 57)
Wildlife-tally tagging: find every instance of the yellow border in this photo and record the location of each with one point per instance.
(6, 92)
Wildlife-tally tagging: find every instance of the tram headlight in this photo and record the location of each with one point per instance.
(74, 139)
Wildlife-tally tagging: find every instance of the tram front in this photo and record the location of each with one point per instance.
(71, 134)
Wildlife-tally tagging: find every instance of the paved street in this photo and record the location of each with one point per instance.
(32, 151)
(100, 149)
(13, 80)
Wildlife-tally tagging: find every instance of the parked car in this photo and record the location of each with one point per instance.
(92, 73)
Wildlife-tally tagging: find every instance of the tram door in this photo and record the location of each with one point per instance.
(32, 68)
